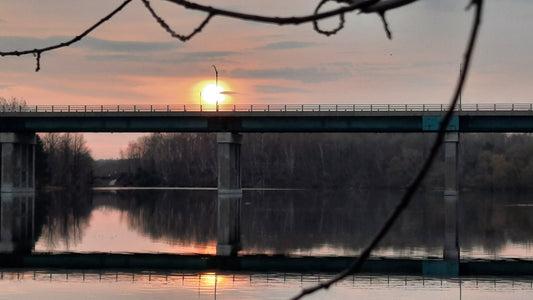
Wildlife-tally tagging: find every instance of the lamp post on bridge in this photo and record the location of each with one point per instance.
(216, 85)
(460, 91)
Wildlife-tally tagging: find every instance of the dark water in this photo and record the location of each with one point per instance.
(489, 225)
(319, 223)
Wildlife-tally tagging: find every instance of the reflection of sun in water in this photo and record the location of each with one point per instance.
(210, 279)
(211, 94)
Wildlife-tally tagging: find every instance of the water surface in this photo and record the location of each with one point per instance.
(318, 223)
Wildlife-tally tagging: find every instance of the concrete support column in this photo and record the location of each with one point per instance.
(229, 193)
(228, 224)
(451, 197)
(229, 162)
(17, 162)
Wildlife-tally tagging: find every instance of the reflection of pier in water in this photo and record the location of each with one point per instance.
(278, 222)
(229, 230)
(304, 222)
(17, 222)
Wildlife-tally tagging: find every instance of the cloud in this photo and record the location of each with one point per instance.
(166, 59)
(206, 55)
(443, 6)
(307, 75)
(229, 93)
(25, 43)
(4, 86)
(286, 45)
(126, 46)
(11, 43)
(277, 89)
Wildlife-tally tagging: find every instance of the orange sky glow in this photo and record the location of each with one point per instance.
(131, 60)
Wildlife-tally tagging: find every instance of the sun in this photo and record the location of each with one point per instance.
(213, 94)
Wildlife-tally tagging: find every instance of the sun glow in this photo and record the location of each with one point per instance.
(211, 279)
(213, 94)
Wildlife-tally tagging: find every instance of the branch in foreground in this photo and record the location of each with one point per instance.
(167, 28)
(364, 6)
(406, 199)
(357, 5)
(327, 32)
(37, 52)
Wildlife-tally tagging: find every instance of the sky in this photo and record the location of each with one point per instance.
(132, 60)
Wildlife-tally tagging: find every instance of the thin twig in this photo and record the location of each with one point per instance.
(361, 5)
(37, 52)
(364, 6)
(385, 5)
(385, 25)
(72, 41)
(328, 32)
(37, 61)
(406, 199)
(173, 33)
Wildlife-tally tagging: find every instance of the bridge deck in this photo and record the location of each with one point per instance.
(298, 118)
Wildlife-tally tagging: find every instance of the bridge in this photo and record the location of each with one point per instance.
(265, 118)
(18, 125)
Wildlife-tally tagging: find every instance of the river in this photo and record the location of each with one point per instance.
(292, 223)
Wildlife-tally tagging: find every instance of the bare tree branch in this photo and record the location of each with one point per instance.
(413, 187)
(385, 5)
(173, 33)
(385, 25)
(37, 52)
(358, 5)
(364, 6)
(327, 32)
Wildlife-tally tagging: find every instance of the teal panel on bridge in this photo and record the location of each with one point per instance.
(432, 123)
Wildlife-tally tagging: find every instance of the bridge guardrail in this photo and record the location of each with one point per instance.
(267, 108)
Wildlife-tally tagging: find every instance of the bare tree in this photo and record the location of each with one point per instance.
(69, 159)
(11, 104)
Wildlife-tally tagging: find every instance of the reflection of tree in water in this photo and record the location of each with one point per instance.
(493, 220)
(182, 217)
(286, 222)
(64, 216)
(291, 221)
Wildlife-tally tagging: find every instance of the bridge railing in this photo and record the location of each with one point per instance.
(267, 108)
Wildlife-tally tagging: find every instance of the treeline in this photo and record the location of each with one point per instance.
(328, 160)
(63, 160)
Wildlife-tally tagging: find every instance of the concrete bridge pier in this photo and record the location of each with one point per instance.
(451, 197)
(17, 163)
(229, 193)
(229, 162)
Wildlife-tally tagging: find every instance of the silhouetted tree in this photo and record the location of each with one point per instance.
(69, 160)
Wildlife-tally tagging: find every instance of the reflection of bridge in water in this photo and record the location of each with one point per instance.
(18, 237)
(20, 123)
(236, 284)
